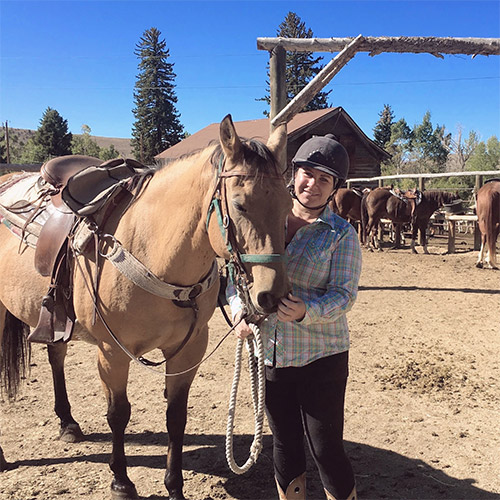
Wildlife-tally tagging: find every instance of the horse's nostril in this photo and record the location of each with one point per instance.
(267, 301)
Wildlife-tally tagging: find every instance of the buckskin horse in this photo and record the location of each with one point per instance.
(382, 203)
(171, 228)
(488, 218)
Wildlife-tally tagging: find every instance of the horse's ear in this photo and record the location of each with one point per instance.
(229, 140)
(277, 145)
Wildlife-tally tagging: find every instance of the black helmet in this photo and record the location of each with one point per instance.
(324, 153)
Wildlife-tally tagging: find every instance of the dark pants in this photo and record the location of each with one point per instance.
(310, 400)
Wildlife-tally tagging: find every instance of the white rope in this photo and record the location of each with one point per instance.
(257, 376)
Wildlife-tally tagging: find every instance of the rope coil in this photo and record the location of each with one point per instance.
(257, 376)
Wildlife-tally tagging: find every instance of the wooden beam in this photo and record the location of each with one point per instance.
(277, 81)
(300, 101)
(377, 45)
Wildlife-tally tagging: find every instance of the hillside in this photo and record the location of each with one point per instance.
(121, 145)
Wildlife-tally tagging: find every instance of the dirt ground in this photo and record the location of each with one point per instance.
(422, 407)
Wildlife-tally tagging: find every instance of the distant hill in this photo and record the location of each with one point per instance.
(121, 145)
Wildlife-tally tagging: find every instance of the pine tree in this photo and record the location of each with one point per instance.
(301, 67)
(157, 125)
(382, 130)
(52, 137)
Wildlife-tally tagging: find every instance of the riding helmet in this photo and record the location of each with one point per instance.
(324, 153)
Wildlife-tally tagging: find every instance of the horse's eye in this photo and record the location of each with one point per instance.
(239, 207)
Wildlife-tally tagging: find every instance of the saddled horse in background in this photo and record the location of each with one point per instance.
(172, 228)
(347, 204)
(382, 203)
(488, 218)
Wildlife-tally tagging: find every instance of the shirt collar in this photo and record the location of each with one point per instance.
(326, 216)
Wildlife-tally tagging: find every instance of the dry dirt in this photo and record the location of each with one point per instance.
(422, 417)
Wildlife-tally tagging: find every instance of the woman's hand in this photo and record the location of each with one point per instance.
(241, 330)
(291, 308)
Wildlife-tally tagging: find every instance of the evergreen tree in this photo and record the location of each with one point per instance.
(157, 125)
(301, 67)
(52, 137)
(382, 130)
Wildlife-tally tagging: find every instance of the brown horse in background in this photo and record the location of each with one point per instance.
(347, 204)
(172, 228)
(488, 218)
(382, 203)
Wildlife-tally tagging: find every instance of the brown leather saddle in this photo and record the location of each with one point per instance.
(79, 187)
(411, 196)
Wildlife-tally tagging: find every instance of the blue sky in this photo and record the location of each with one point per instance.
(78, 58)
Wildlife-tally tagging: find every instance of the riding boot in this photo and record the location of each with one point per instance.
(296, 490)
(352, 496)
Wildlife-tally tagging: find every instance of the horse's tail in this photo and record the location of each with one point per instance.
(15, 355)
(364, 219)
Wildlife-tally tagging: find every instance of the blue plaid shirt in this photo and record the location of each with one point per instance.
(324, 265)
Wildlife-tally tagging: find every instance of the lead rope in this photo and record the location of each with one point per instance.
(257, 376)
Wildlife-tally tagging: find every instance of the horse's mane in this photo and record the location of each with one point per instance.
(252, 151)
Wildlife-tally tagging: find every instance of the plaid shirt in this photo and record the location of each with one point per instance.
(324, 265)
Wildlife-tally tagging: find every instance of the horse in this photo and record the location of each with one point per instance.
(488, 218)
(212, 203)
(382, 203)
(347, 204)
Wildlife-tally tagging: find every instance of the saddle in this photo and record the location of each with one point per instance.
(80, 188)
(412, 197)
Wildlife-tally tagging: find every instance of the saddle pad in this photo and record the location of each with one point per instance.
(19, 201)
(23, 186)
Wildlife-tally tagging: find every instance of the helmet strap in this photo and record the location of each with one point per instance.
(291, 189)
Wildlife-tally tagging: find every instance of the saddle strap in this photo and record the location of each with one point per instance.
(141, 276)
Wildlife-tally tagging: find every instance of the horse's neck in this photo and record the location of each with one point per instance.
(167, 223)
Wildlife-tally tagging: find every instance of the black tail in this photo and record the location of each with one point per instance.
(364, 219)
(15, 355)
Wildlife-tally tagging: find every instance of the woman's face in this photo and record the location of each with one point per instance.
(313, 187)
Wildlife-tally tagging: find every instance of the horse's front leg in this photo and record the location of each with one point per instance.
(114, 369)
(69, 430)
(177, 390)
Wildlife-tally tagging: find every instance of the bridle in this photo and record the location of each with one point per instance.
(156, 286)
(219, 205)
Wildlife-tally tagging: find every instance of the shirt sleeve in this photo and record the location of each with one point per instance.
(342, 287)
(233, 299)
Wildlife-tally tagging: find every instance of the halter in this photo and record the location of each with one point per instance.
(219, 205)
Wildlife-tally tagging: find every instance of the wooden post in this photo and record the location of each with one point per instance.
(277, 93)
(7, 144)
(277, 81)
(451, 236)
(421, 187)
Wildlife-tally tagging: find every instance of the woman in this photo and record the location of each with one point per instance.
(307, 340)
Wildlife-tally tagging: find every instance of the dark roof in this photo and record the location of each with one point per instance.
(259, 129)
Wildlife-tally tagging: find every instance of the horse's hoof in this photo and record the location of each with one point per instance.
(71, 433)
(479, 265)
(123, 491)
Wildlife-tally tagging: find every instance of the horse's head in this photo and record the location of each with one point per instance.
(254, 205)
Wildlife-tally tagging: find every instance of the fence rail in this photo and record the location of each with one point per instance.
(479, 175)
